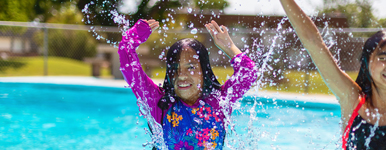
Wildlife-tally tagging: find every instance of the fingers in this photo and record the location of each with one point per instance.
(208, 27)
(154, 26)
(152, 23)
(224, 28)
(216, 26)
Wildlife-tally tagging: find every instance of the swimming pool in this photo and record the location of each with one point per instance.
(57, 116)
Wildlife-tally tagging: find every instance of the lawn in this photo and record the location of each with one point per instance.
(294, 81)
(57, 66)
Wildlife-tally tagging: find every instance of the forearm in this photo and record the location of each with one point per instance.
(339, 83)
(309, 36)
(130, 65)
(232, 51)
(245, 74)
(142, 86)
(303, 25)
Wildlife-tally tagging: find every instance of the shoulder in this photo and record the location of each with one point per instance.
(349, 103)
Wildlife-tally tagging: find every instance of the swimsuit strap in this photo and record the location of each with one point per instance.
(348, 127)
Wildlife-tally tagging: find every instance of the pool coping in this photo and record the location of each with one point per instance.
(251, 94)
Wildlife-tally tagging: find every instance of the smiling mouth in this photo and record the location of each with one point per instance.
(184, 86)
(384, 75)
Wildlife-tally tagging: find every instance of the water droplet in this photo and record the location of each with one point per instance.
(191, 25)
(190, 10)
(172, 99)
(202, 102)
(193, 31)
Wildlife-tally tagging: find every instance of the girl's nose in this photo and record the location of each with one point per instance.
(182, 75)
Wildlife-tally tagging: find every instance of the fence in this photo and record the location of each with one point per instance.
(38, 49)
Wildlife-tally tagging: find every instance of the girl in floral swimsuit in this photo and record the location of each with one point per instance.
(363, 102)
(192, 105)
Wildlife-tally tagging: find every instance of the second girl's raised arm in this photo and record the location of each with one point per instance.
(340, 83)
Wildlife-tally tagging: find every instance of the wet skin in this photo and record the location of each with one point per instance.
(377, 67)
(189, 81)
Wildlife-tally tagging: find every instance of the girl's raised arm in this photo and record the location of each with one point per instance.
(222, 39)
(343, 87)
(245, 72)
(141, 85)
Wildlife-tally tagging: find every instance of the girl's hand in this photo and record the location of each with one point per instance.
(152, 23)
(222, 39)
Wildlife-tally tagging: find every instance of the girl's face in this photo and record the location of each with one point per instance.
(189, 81)
(377, 67)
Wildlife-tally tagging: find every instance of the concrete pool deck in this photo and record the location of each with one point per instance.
(92, 81)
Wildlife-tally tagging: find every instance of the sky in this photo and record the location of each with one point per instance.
(269, 7)
(273, 7)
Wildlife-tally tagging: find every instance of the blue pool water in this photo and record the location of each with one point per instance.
(52, 116)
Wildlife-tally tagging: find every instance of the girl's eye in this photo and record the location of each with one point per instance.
(192, 67)
(382, 58)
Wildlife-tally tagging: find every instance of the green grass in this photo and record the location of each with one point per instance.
(57, 66)
(294, 81)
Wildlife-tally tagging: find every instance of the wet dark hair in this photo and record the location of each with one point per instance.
(364, 79)
(172, 61)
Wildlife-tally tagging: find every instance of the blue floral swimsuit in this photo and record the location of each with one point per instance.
(184, 126)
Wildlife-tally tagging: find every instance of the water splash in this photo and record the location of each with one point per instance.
(113, 14)
(253, 133)
(374, 128)
(120, 20)
(193, 31)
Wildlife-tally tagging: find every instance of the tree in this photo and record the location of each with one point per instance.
(382, 22)
(16, 10)
(211, 4)
(45, 9)
(29, 10)
(67, 43)
(99, 10)
(359, 14)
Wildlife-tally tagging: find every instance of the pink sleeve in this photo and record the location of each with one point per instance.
(245, 73)
(143, 87)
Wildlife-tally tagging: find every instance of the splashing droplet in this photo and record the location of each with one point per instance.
(193, 31)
